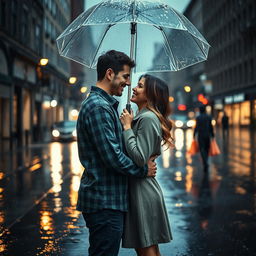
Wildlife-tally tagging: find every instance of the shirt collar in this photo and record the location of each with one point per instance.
(112, 101)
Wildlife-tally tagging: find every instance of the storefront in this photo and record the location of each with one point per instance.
(239, 113)
(24, 76)
(253, 113)
(240, 108)
(4, 111)
(5, 95)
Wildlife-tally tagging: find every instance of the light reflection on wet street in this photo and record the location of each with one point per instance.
(210, 214)
(38, 204)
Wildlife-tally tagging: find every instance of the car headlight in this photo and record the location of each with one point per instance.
(191, 123)
(55, 133)
(178, 123)
(74, 133)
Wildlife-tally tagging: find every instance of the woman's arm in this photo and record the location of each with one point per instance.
(141, 147)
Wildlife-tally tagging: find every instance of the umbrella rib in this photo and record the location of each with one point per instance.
(109, 26)
(151, 20)
(70, 40)
(96, 7)
(84, 23)
(167, 43)
(152, 8)
(198, 45)
(148, 18)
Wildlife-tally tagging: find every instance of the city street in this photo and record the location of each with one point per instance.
(53, 53)
(210, 214)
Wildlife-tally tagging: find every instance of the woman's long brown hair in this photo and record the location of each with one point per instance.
(157, 94)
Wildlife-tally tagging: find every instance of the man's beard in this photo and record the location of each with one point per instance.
(115, 87)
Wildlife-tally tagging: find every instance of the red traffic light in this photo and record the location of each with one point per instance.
(202, 99)
(182, 107)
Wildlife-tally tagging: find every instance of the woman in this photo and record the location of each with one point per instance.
(146, 223)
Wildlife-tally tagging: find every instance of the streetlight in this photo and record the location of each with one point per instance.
(54, 103)
(43, 62)
(171, 99)
(46, 104)
(83, 89)
(187, 88)
(72, 80)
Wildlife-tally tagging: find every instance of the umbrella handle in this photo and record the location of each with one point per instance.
(128, 107)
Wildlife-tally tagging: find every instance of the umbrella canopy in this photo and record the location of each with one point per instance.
(155, 35)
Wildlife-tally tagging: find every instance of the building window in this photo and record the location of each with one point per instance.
(246, 72)
(47, 27)
(46, 2)
(37, 32)
(252, 78)
(50, 5)
(3, 13)
(14, 17)
(25, 37)
(54, 9)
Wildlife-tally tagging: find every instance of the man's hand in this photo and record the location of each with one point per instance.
(152, 166)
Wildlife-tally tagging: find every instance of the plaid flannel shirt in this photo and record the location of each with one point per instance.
(104, 183)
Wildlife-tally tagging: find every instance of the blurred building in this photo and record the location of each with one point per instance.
(77, 70)
(33, 95)
(230, 27)
(194, 76)
(55, 75)
(21, 35)
(185, 85)
(90, 74)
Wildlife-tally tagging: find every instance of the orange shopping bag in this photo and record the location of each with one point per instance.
(194, 148)
(214, 148)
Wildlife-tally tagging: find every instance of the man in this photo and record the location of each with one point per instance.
(225, 125)
(204, 129)
(102, 195)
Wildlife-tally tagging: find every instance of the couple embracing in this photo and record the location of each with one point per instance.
(119, 196)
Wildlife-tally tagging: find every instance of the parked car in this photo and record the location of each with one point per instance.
(64, 130)
(182, 121)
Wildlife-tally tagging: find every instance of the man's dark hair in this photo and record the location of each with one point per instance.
(202, 109)
(114, 60)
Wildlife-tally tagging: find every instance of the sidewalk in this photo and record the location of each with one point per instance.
(197, 197)
(210, 214)
(22, 158)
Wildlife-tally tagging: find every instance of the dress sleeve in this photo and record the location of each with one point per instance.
(140, 147)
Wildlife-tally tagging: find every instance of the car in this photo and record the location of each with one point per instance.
(182, 121)
(64, 130)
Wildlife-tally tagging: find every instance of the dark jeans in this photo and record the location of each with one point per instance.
(204, 145)
(225, 133)
(105, 232)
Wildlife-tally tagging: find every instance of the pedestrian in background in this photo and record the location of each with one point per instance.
(204, 133)
(225, 125)
(146, 223)
(103, 191)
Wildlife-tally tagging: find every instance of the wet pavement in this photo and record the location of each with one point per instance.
(210, 214)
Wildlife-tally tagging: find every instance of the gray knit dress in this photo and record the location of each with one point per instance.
(146, 222)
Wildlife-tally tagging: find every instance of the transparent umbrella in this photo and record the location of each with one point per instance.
(155, 35)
